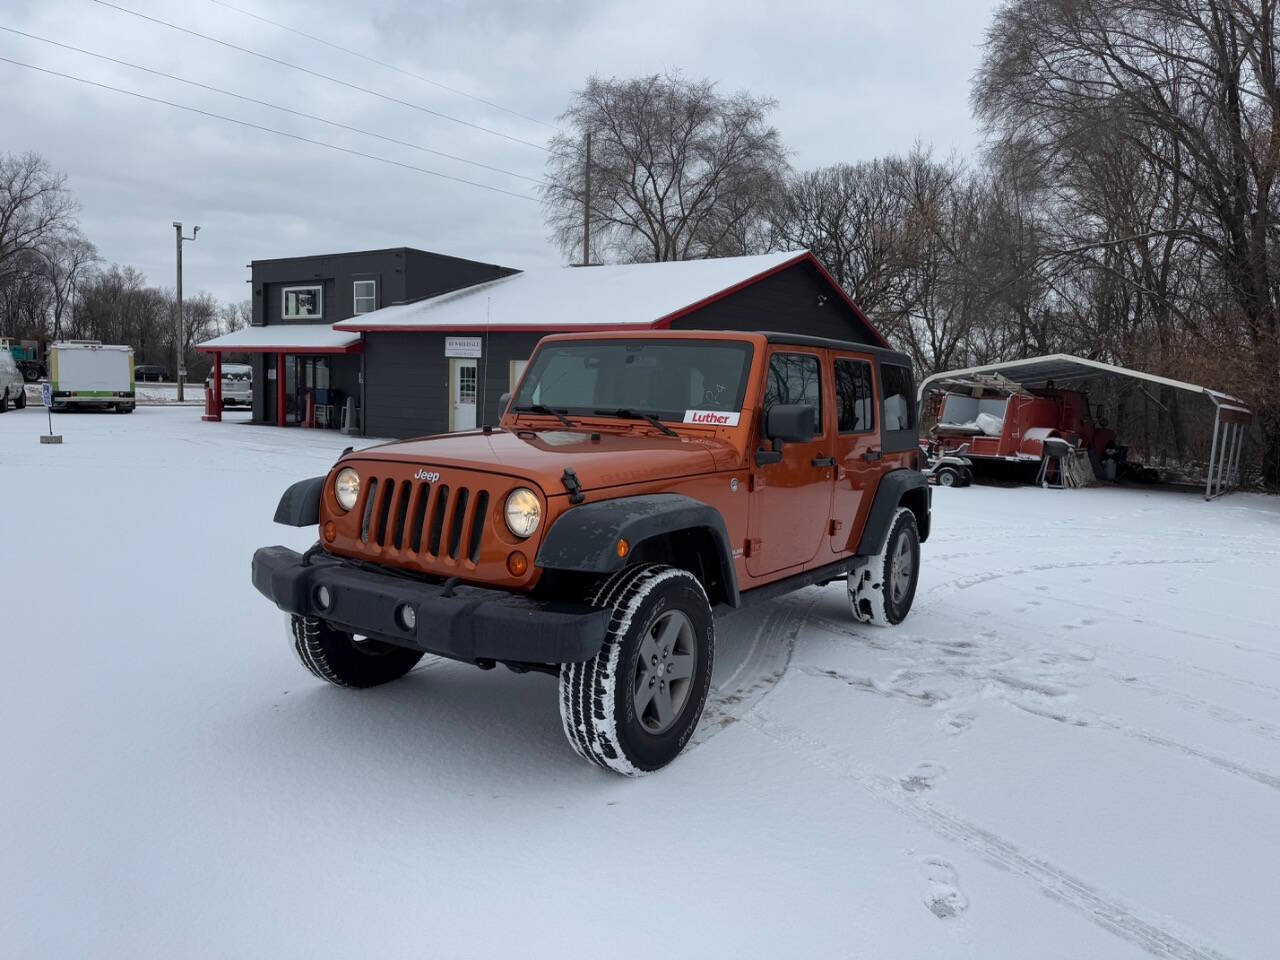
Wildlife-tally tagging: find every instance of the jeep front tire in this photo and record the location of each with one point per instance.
(881, 592)
(337, 657)
(633, 707)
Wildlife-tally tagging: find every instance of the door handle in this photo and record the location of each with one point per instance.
(871, 455)
(824, 461)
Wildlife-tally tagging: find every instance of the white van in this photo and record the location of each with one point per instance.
(85, 373)
(13, 389)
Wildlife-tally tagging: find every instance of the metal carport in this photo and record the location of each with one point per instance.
(1230, 418)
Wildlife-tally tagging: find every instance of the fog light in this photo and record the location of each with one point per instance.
(323, 597)
(408, 619)
(330, 531)
(517, 563)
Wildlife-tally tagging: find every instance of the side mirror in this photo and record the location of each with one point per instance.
(502, 403)
(791, 423)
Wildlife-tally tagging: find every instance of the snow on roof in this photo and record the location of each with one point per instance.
(284, 337)
(637, 294)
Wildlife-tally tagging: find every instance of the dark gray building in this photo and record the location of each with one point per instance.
(440, 360)
(296, 300)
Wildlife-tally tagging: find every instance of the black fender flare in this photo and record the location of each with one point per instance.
(585, 539)
(895, 487)
(300, 505)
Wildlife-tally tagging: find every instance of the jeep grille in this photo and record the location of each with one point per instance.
(420, 519)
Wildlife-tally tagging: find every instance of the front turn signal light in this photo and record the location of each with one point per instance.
(517, 563)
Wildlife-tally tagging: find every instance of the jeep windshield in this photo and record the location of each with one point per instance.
(666, 379)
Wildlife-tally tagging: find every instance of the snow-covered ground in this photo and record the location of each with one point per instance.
(1070, 749)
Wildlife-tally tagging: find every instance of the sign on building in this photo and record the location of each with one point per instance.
(462, 346)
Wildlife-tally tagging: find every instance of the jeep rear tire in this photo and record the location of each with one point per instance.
(337, 657)
(21, 402)
(881, 592)
(633, 707)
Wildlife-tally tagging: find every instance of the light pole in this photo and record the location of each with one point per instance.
(178, 370)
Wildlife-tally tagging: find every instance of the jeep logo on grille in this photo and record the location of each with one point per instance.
(427, 475)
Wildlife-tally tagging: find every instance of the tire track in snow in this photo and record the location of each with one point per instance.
(1015, 688)
(759, 672)
(1151, 932)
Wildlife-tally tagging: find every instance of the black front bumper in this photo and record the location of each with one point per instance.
(470, 624)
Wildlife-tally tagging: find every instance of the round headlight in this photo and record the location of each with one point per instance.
(346, 487)
(523, 512)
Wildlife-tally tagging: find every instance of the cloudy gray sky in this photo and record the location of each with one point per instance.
(853, 80)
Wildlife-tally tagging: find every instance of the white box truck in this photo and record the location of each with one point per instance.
(86, 373)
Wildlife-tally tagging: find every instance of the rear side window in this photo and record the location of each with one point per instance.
(899, 410)
(855, 396)
(795, 378)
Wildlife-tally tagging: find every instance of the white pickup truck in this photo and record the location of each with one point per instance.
(237, 384)
(91, 374)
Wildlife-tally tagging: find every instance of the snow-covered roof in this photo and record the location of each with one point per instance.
(567, 298)
(285, 338)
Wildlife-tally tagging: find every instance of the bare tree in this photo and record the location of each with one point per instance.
(70, 258)
(35, 206)
(1187, 96)
(235, 316)
(678, 172)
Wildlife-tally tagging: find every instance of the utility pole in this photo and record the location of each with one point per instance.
(177, 340)
(586, 206)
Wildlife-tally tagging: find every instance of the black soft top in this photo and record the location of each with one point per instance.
(882, 354)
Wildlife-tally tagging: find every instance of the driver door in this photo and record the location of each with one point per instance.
(791, 500)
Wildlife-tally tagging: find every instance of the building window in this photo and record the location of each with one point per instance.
(364, 294)
(303, 303)
(467, 384)
(856, 401)
(514, 374)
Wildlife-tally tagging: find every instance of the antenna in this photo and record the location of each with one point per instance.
(484, 384)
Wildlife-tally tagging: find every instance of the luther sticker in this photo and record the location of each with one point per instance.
(712, 418)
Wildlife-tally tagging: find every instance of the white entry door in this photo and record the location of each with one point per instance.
(463, 392)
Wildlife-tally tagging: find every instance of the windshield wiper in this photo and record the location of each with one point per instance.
(543, 408)
(640, 415)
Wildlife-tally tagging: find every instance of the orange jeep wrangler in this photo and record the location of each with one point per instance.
(637, 486)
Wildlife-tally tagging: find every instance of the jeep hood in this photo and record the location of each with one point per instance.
(544, 455)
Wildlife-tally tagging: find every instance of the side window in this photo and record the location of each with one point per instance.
(795, 378)
(364, 296)
(854, 395)
(899, 406)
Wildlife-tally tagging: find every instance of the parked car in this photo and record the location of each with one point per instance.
(638, 486)
(150, 373)
(13, 388)
(237, 384)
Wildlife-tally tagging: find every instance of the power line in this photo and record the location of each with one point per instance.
(266, 103)
(322, 76)
(258, 126)
(381, 63)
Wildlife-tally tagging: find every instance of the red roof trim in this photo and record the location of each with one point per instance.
(663, 322)
(847, 299)
(357, 347)
(480, 331)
